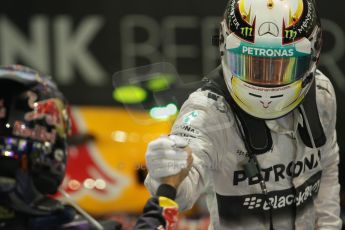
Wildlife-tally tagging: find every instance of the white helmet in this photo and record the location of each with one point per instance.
(270, 50)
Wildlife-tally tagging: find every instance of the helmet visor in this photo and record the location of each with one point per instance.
(267, 71)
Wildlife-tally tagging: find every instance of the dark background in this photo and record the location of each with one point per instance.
(116, 35)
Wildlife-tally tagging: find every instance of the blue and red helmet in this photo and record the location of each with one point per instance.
(34, 126)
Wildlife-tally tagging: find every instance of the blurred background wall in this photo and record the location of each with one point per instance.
(83, 43)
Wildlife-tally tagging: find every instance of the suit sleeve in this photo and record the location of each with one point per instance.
(328, 201)
(199, 124)
(160, 212)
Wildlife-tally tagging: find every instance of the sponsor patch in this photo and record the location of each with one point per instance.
(255, 205)
(190, 117)
(38, 132)
(282, 201)
(261, 52)
(170, 215)
(170, 212)
(187, 129)
(280, 171)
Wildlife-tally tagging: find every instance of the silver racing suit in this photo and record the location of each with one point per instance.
(302, 182)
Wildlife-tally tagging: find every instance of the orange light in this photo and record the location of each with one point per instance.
(74, 185)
